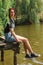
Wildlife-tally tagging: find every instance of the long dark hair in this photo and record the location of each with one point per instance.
(10, 10)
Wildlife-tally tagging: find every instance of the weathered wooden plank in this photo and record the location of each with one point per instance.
(2, 43)
(6, 46)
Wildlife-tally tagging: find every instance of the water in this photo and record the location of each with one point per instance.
(34, 33)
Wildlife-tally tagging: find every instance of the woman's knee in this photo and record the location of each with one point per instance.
(26, 39)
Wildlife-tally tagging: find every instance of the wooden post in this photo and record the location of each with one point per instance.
(16, 50)
(2, 55)
(15, 58)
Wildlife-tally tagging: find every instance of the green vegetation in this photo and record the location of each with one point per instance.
(27, 11)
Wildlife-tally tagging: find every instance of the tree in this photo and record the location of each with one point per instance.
(32, 12)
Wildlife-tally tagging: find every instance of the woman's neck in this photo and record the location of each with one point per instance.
(11, 17)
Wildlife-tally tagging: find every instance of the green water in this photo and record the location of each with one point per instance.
(35, 35)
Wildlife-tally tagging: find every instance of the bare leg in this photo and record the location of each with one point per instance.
(27, 47)
(26, 50)
(26, 44)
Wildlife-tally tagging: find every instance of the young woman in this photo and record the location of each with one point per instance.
(11, 36)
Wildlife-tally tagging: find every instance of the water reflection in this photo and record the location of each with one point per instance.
(36, 61)
(25, 64)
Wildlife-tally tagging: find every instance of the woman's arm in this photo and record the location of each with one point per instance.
(13, 33)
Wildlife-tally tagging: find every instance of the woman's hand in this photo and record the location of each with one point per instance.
(18, 40)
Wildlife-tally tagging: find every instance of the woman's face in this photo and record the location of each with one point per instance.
(12, 13)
